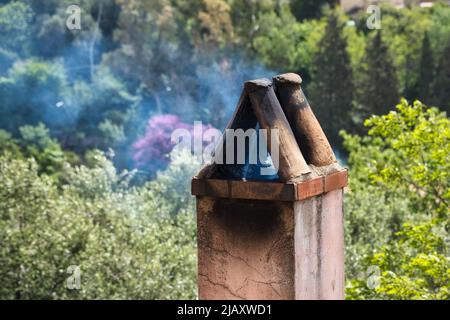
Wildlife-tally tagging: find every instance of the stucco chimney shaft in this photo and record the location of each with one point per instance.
(274, 239)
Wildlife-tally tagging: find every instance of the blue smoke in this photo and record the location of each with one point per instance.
(53, 81)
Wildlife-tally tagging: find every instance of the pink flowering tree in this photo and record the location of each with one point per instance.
(151, 152)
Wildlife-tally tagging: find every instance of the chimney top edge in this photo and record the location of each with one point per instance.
(253, 85)
(291, 78)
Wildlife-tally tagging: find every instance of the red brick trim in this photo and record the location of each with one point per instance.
(310, 188)
(335, 181)
(274, 191)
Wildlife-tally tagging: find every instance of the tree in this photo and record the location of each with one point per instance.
(281, 29)
(158, 38)
(214, 25)
(404, 41)
(106, 113)
(426, 72)
(442, 81)
(308, 9)
(439, 21)
(36, 143)
(15, 23)
(413, 265)
(245, 16)
(35, 91)
(124, 244)
(152, 151)
(331, 90)
(171, 189)
(380, 81)
(9, 144)
(406, 157)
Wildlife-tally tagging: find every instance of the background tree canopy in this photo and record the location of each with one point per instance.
(88, 176)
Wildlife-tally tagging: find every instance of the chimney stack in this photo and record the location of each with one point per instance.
(279, 239)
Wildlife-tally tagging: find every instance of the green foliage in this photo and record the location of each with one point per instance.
(96, 222)
(214, 28)
(371, 216)
(171, 188)
(439, 29)
(405, 156)
(332, 89)
(297, 43)
(7, 59)
(15, 23)
(65, 91)
(246, 19)
(274, 30)
(38, 136)
(8, 144)
(379, 84)
(154, 25)
(37, 143)
(51, 30)
(30, 95)
(426, 72)
(414, 266)
(105, 111)
(307, 9)
(404, 40)
(420, 137)
(172, 43)
(442, 80)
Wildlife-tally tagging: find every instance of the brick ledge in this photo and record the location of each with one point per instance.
(266, 190)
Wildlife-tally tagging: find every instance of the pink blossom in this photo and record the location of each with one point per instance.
(151, 152)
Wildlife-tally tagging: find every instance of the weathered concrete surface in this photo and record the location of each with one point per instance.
(245, 249)
(256, 249)
(319, 247)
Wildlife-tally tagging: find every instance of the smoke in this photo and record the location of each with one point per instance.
(218, 86)
(64, 81)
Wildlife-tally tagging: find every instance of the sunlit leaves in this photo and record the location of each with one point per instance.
(406, 158)
(123, 246)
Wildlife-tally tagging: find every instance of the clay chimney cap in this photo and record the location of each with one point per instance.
(291, 78)
(283, 104)
(253, 85)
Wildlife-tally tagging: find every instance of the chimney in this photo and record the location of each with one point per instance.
(276, 238)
